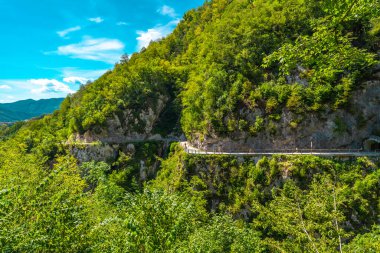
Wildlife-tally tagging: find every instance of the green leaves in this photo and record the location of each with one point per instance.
(43, 211)
(222, 234)
(322, 48)
(148, 222)
(368, 242)
(340, 11)
(325, 53)
(327, 62)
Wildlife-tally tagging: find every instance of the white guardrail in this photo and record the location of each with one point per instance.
(321, 152)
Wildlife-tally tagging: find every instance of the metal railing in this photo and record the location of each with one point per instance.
(281, 151)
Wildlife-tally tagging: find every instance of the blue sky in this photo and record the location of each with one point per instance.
(49, 47)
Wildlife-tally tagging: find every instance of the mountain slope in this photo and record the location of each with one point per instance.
(244, 72)
(94, 177)
(27, 109)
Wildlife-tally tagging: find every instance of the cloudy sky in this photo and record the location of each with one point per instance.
(49, 47)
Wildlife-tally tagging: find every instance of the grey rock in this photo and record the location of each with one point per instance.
(126, 127)
(342, 128)
(95, 152)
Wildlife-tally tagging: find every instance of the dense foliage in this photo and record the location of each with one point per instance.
(196, 204)
(229, 57)
(223, 58)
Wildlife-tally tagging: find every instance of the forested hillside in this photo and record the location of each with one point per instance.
(96, 176)
(230, 57)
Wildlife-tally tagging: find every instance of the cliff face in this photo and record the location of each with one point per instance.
(343, 128)
(94, 152)
(127, 126)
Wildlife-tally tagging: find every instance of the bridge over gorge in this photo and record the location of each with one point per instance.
(268, 152)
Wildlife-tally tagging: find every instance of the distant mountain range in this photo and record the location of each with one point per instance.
(27, 109)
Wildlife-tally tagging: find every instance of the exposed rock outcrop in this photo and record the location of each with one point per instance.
(94, 152)
(342, 128)
(128, 126)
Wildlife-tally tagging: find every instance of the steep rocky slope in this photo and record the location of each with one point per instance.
(126, 126)
(229, 77)
(344, 128)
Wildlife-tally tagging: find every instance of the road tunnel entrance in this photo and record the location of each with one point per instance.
(372, 144)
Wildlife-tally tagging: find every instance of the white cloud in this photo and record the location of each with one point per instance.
(96, 20)
(5, 87)
(7, 99)
(121, 23)
(9, 85)
(49, 86)
(101, 49)
(75, 80)
(167, 11)
(67, 31)
(146, 37)
(34, 89)
(87, 74)
(152, 34)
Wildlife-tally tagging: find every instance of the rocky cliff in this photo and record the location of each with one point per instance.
(127, 126)
(350, 127)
